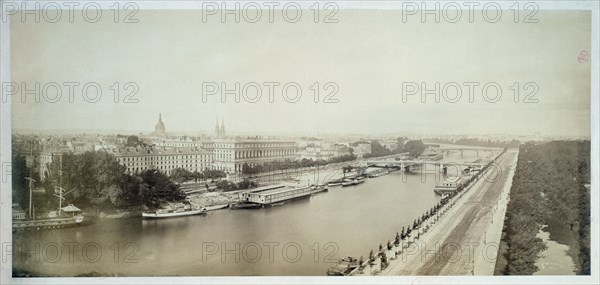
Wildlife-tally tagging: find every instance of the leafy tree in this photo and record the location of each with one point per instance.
(157, 188)
(400, 141)
(134, 141)
(547, 188)
(181, 175)
(19, 183)
(213, 174)
(377, 150)
(414, 148)
(91, 173)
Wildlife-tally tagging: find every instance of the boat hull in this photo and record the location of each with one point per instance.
(352, 183)
(441, 191)
(318, 189)
(173, 215)
(216, 207)
(51, 223)
(343, 267)
(244, 206)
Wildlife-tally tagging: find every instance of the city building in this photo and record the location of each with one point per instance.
(314, 153)
(80, 146)
(323, 152)
(164, 160)
(39, 154)
(39, 162)
(231, 154)
(178, 144)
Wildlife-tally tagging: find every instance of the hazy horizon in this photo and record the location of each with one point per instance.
(169, 54)
(285, 134)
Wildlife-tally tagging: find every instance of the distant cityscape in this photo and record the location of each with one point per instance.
(166, 152)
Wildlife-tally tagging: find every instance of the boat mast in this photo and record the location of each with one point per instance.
(31, 181)
(60, 189)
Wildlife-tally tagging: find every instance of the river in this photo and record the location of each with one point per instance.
(303, 237)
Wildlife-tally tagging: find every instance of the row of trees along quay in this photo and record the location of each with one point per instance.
(551, 187)
(420, 226)
(413, 148)
(475, 142)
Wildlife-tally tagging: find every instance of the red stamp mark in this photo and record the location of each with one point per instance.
(583, 56)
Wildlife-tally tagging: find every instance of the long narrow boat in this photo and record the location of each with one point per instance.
(174, 214)
(351, 182)
(245, 205)
(335, 182)
(216, 207)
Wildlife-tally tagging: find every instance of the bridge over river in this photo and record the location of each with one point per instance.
(415, 164)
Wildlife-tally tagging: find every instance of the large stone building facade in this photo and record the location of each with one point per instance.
(231, 155)
(224, 154)
(164, 160)
(221, 154)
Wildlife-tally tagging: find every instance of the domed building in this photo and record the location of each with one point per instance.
(159, 128)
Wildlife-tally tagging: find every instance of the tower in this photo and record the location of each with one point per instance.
(222, 132)
(217, 129)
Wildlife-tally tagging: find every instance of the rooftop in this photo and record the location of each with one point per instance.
(159, 151)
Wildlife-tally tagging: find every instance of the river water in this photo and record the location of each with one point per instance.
(303, 237)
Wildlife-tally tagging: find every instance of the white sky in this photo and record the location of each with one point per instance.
(368, 54)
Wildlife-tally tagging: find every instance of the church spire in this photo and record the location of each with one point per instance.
(222, 131)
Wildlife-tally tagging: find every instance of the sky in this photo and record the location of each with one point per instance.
(369, 58)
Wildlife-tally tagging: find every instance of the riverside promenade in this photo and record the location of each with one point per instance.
(463, 238)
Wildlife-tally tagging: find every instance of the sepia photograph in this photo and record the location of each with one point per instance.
(354, 142)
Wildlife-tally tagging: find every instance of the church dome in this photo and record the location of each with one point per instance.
(159, 128)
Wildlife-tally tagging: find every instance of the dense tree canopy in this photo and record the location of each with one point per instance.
(19, 183)
(476, 142)
(548, 187)
(414, 148)
(100, 180)
(292, 164)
